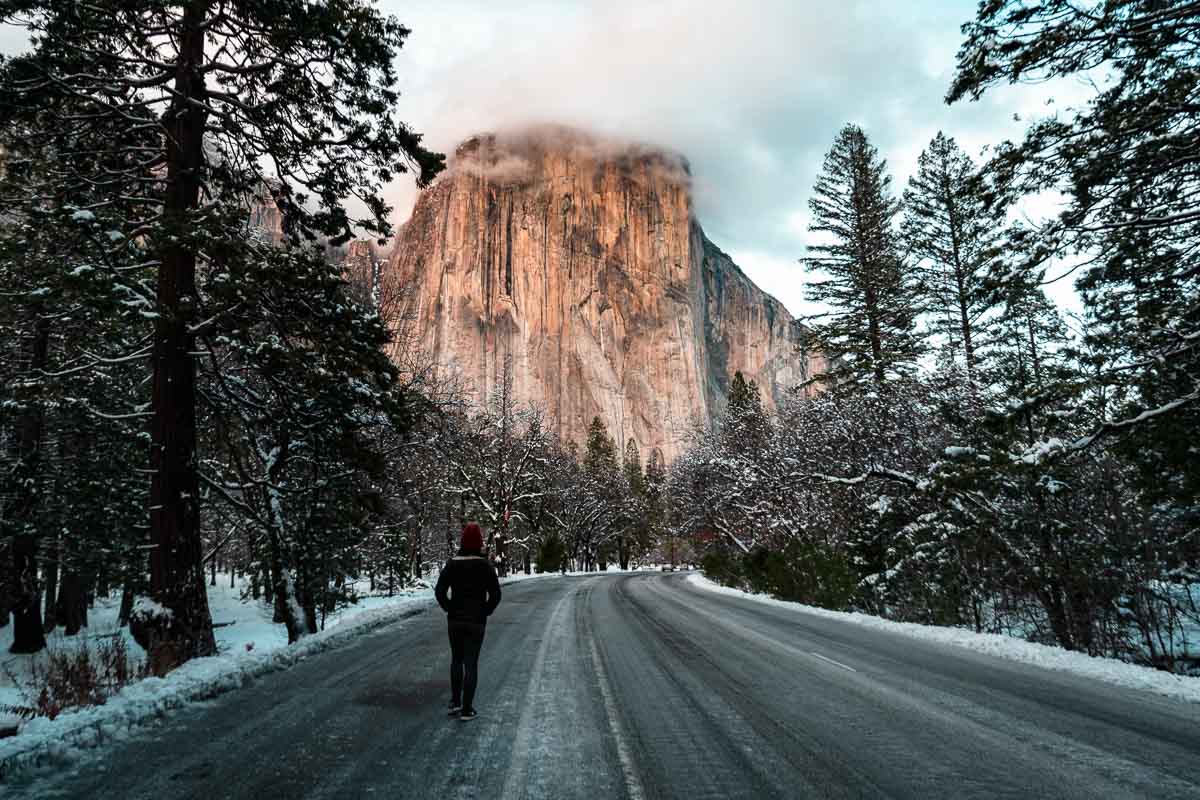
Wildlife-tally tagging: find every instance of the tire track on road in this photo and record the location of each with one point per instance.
(750, 730)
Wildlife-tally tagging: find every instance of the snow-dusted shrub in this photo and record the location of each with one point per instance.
(924, 503)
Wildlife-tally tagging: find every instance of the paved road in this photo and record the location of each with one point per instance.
(645, 686)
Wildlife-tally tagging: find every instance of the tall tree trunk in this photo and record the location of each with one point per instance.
(267, 576)
(1035, 356)
(876, 339)
(6, 592)
(103, 585)
(74, 603)
(500, 544)
(176, 568)
(1056, 614)
(310, 615)
(962, 295)
(968, 344)
(126, 606)
(28, 634)
(255, 571)
(417, 556)
(283, 590)
(306, 598)
(283, 586)
(50, 570)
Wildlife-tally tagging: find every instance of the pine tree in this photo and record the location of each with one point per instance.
(602, 469)
(1125, 163)
(68, 378)
(585, 515)
(868, 331)
(633, 469)
(745, 427)
(600, 452)
(1132, 318)
(1026, 353)
(635, 536)
(952, 236)
(656, 500)
(297, 401)
(303, 89)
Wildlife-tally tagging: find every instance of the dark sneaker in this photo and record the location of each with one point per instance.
(455, 708)
(468, 713)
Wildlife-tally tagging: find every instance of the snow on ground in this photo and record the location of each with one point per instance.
(521, 576)
(1108, 670)
(249, 645)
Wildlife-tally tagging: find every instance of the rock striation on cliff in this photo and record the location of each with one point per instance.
(580, 259)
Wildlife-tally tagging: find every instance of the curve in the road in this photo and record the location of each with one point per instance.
(644, 686)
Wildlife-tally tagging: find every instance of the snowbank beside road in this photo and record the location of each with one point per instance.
(249, 645)
(1108, 670)
(45, 741)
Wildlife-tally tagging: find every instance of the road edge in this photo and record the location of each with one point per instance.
(1106, 670)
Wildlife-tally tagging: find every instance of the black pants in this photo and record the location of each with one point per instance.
(465, 640)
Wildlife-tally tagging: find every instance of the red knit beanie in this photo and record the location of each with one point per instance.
(472, 537)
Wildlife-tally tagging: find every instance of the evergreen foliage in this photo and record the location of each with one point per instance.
(1042, 481)
(953, 239)
(165, 126)
(1125, 163)
(158, 351)
(868, 332)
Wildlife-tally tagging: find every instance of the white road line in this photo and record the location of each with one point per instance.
(831, 661)
(633, 784)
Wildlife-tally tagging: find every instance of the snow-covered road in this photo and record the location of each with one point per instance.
(646, 686)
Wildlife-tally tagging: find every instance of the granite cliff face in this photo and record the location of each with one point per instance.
(580, 259)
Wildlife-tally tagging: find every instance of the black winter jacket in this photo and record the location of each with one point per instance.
(467, 589)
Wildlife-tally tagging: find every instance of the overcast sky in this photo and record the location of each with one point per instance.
(751, 91)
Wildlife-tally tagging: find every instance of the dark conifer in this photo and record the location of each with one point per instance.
(297, 97)
(952, 240)
(868, 329)
(1125, 162)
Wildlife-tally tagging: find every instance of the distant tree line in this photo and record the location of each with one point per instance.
(544, 505)
(971, 457)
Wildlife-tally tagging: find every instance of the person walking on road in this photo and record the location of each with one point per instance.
(468, 591)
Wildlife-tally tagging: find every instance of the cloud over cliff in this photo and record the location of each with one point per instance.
(751, 91)
(511, 155)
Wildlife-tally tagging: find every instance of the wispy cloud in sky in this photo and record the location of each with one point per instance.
(751, 91)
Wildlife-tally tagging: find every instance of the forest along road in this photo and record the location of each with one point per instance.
(646, 686)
